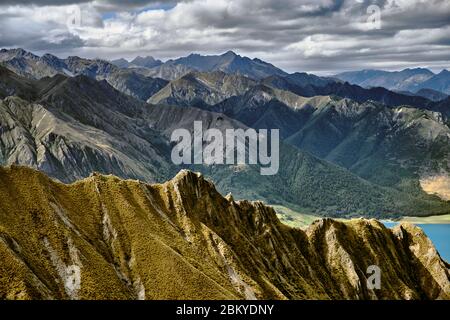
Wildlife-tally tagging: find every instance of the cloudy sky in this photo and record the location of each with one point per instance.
(321, 36)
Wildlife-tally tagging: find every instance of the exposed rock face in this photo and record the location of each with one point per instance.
(103, 237)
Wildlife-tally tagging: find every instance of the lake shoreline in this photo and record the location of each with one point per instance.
(440, 219)
(302, 220)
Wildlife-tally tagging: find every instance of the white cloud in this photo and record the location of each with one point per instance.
(303, 35)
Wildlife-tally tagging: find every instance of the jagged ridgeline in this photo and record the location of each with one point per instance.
(107, 238)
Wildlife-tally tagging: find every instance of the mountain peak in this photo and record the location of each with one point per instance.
(147, 62)
(17, 53)
(120, 60)
(189, 183)
(230, 53)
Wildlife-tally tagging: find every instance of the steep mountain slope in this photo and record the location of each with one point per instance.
(78, 125)
(104, 238)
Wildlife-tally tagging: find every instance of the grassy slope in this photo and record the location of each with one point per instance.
(103, 237)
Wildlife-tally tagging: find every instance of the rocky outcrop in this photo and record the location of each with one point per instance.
(103, 237)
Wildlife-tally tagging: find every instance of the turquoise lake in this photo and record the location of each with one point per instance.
(439, 235)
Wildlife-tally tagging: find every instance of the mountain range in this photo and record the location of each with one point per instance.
(376, 133)
(72, 126)
(86, 170)
(367, 151)
(228, 62)
(128, 81)
(106, 238)
(138, 62)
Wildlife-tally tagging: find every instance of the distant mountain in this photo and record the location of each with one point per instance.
(126, 80)
(199, 89)
(11, 84)
(146, 62)
(27, 64)
(107, 238)
(138, 62)
(431, 94)
(167, 71)
(405, 80)
(73, 126)
(228, 62)
(121, 63)
(329, 118)
(439, 82)
(296, 82)
(411, 80)
(302, 84)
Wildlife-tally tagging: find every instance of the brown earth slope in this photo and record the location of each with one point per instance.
(106, 238)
